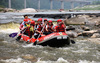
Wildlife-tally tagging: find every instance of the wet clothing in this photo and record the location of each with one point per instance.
(39, 28)
(26, 28)
(50, 28)
(29, 31)
(60, 28)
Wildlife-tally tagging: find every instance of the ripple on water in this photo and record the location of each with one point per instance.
(18, 60)
(82, 51)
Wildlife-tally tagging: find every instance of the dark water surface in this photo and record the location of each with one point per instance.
(13, 51)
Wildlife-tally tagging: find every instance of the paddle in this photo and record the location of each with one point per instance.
(13, 35)
(38, 36)
(19, 37)
(73, 42)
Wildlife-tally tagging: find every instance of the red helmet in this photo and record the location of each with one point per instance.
(25, 20)
(40, 19)
(45, 20)
(33, 22)
(59, 20)
(50, 21)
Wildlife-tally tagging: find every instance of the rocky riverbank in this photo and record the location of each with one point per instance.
(27, 10)
(85, 26)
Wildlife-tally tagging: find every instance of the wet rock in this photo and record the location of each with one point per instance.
(30, 57)
(9, 10)
(97, 23)
(72, 34)
(95, 35)
(98, 31)
(4, 58)
(74, 21)
(85, 28)
(70, 28)
(89, 33)
(92, 15)
(28, 10)
(80, 34)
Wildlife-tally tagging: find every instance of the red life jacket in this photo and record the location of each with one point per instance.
(39, 27)
(50, 28)
(44, 29)
(60, 29)
(28, 31)
(26, 20)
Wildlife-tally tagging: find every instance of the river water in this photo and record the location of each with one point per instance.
(12, 51)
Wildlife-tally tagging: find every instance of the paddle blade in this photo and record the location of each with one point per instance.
(35, 42)
(13, 35)
(72, 41)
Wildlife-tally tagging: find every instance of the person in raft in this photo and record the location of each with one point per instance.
(44, 25)
(26, 19)
(29, 30)
(60, 27)
(38, 28)
(49, 27)
(26, 27)
(25, 22)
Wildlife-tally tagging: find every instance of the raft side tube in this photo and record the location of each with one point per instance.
(55, 41)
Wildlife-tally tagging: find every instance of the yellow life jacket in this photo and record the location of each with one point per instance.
(32, 29)
(27, 25)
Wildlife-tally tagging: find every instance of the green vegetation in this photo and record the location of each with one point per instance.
(1, 10)
(1, 6)
(89, 7)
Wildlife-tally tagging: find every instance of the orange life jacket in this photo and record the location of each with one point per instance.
(60, 29)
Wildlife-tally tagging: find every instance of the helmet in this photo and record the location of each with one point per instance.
(33, 22)
(25, 20)
(45, 20)
(59, 20)
(40, 19)
(50, 21)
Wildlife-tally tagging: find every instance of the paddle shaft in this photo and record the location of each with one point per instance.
(41, 31)
(38, 36)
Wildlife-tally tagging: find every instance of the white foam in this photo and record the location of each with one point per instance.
(28, 45)
(85, 61)
(4, 41)
(60, 60)
(9, 30)
(66, 48)
(18, 60)
(81, 51)
(31, 45)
